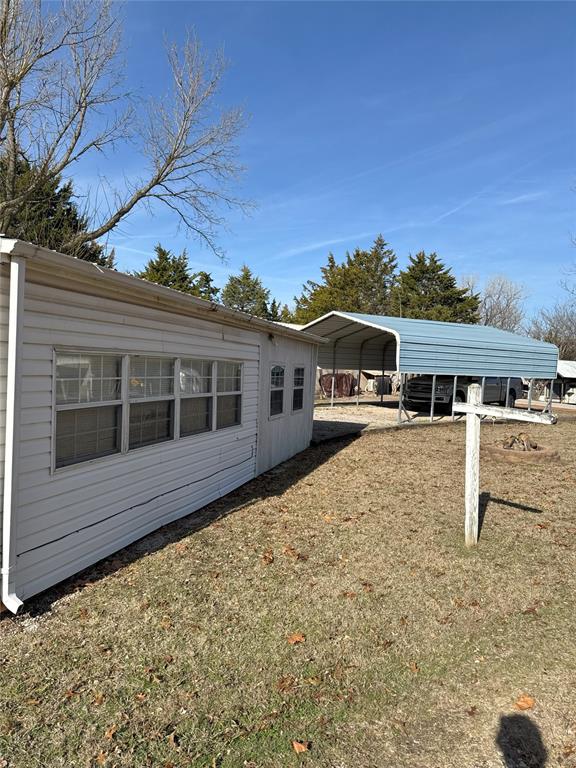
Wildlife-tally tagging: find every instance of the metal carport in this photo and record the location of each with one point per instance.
(358, 341)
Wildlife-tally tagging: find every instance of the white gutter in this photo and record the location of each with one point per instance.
(12, 437)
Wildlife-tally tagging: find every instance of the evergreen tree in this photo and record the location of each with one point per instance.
(169, 270)
(246, 293)
(203, 286)
(361, 283)
(427, 289)
(274, 311)
(286, 315)
(52, 217)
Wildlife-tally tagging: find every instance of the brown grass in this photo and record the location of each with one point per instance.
(411, 650)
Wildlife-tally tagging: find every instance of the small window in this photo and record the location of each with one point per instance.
(88, 406)
(87, 378)
(151, 377)
(87, 433)
(195, 415)
(228, 412)
(298, 390)
(276, 390)
(195, 377)
(228, 394)
(151, 422)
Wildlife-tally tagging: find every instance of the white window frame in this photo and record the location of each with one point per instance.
(217, 394)
(125, 401)
(272, 388)
(302, 387)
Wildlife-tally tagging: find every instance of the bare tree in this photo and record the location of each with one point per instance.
(61, 98)
(558, 326)
(501, 302)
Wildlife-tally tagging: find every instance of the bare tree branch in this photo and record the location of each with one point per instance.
(61, 98)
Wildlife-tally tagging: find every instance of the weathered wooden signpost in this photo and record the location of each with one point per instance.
(475, 410)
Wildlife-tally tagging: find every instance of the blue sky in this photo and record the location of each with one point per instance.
(447, 127)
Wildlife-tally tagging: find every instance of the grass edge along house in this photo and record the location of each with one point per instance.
(125, 405)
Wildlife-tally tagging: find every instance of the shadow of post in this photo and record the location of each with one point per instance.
(486, 498)
(520, 742)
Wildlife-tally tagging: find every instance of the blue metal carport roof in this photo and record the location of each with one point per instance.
(426, 346)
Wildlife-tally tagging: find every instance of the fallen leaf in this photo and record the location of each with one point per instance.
(100, 757)
(296, 637)
(181, 547)
(166, 622)
(140, 697)
(168, 659)
(98, 698)
(367, 586)
(532, 610)
(472, 711)
(315, 680)
(70, 693)
(414, 667)
(568, 750)
(301, 746)
(542, 526)
(83, 613)
(348, 593)
(524, 702)
(327, 518)
(286, 684)
(289, 551)
(268, 557)
(109, 733)
(173, 740)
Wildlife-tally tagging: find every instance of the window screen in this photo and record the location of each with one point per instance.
(87, 378)
(298, 389)
(228, 413)
(151, 377)
(87, 433)
(276, 390)
(195, 415)
(151, 422)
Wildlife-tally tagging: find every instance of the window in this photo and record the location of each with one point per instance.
(88, 406)
(195, 396)
(151, 392)
(228, 394)
(298, 390)
(276, 390)
(96, 394)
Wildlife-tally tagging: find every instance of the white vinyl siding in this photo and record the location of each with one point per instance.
(71, 518)
(4, 307)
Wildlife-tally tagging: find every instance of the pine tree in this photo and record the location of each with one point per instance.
(203, 286)
(362, 283)
(274, 311)
(168, 270)
(52, 218)
(427, 289)
(286, 315)
(246, 293)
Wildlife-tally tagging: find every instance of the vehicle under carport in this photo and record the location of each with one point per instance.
(426, 347)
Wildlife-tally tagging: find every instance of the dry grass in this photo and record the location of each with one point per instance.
(414, 647)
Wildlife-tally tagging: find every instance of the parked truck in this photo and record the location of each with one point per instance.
(419, 390)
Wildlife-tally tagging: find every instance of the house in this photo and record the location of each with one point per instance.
(564, 386)
(125, 405)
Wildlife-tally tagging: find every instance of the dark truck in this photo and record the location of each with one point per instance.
(419, 389)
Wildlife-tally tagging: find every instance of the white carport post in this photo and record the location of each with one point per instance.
(530, 390)
(454, 390)
(507, 392)
(401, 398)
(433, 398)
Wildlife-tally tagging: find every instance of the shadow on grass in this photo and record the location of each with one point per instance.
(272, 483)
(520, 742)
(486, 498)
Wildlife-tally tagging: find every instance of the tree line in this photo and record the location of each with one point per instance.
(62, 98)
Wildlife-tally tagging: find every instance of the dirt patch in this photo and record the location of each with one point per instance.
(330, 603)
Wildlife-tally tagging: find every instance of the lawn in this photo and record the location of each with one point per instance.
(330, 603)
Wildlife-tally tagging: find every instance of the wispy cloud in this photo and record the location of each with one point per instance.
(316, 246)
(527, 197)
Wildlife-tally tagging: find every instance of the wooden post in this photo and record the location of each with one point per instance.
(472, 489)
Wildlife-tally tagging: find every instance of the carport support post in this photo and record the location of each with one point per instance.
(454, 388)
(400, 398)
(506, 405)
(472, 490)
(433, 398)
(530, 388)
